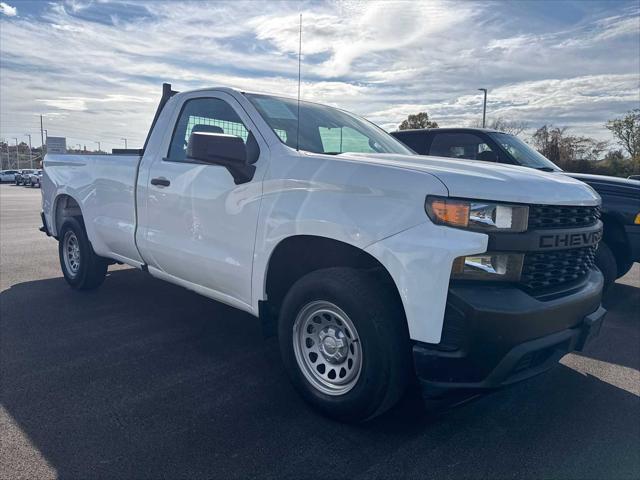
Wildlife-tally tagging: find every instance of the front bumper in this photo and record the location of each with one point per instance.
(497, 335)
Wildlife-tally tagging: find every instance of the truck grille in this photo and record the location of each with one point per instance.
(542, 217)
(542, 270)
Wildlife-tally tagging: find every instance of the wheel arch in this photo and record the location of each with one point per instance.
(311, 253)
(614, 235)
(64, 206)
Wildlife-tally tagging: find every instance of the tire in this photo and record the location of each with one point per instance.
(606, 262)
(623, 267)
(81, 267)
(370, 373)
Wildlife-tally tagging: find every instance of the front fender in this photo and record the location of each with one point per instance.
(419, 260)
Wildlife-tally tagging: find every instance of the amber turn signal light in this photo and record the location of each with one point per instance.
(450, 212)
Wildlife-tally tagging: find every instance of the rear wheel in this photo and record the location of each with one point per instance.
(81, 267)
(344, 343)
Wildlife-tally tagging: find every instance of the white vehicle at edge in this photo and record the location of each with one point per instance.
(371, 263)
(8, 175)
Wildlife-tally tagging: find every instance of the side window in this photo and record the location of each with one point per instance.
(204, 115)
(416, 141)
(461, 145)
(345, 139)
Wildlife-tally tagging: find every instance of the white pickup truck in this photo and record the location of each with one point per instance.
(375, 266)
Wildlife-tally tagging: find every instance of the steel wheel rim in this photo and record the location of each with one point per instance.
(71, 253)
(327, 348)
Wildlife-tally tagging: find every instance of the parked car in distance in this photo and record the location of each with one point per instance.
(8, 175)
(22, 177)
(372, 264)
(35, 179)
(620, 214)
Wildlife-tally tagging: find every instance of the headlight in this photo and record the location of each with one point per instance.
(502, 267)
(637, 219)
(477, 214)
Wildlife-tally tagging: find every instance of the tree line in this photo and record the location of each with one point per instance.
(573, 153)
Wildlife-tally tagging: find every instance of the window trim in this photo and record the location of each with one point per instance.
(166, 158)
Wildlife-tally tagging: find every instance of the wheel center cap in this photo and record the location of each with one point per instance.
(333, 344)
(330, 345)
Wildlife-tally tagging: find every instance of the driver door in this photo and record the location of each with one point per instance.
(198, 227)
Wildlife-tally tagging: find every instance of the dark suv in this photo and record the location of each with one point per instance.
(620, 246)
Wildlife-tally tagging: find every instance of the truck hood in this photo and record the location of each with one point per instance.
(489, 181)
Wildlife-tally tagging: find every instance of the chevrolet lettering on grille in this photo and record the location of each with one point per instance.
(563, 240)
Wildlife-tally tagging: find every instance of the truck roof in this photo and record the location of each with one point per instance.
(242, 91)
(449, 129)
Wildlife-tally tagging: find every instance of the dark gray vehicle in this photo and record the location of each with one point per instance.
(22, 177)
(620, 213)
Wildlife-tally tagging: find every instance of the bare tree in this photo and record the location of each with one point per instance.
(561, 149)
(627, 131)
(419, 120)
(501, 124)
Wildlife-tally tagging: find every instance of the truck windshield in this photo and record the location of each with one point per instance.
(323, 129)
(523, 154)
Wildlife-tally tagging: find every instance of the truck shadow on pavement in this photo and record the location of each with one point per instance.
(142, 379)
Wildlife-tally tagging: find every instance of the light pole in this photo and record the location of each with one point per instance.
(484, 106)
(125, 142)
(99, 149)
(17, 155)
(41, 139)
(30, 157)
(2, 155)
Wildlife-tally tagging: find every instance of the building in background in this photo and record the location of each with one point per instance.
(56, 145)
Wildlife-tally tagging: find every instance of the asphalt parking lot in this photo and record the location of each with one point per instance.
(143, 379)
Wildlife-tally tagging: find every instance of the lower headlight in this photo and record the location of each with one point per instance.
(502, 267)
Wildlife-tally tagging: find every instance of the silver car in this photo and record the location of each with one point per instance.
(34, 179)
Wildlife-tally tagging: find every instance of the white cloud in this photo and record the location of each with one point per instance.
(65, 103)
(8, 10)
(350, 33)
(99, 80)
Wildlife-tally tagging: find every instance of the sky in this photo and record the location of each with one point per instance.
(94, 69)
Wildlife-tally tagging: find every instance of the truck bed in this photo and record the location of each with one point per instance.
(104, 185)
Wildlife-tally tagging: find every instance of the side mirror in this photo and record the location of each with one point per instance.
(220, 149)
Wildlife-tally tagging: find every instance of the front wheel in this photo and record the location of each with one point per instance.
(81, 267)
(344, 343)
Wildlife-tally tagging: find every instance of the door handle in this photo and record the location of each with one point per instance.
(160, 182)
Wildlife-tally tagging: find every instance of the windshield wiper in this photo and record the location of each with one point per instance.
(545, 169)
